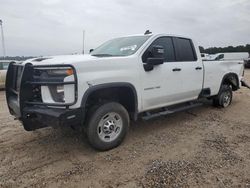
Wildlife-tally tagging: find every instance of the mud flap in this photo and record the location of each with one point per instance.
(244, 84)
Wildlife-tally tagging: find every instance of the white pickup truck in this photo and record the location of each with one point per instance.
(123, 79)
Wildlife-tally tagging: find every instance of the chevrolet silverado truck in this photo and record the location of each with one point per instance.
(126, 78)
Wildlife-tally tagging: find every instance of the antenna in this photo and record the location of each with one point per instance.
(3, 45)
(147, 32)
(83, 36)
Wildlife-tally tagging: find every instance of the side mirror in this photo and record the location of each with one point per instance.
(157, 51)
(156, 57)
(91, 50)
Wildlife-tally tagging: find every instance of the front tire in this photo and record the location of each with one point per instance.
(107, 126)
(224, 98)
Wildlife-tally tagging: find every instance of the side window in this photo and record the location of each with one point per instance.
(167, 44)
(184, 50)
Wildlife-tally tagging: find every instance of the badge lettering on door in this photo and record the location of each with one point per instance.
(150, 88)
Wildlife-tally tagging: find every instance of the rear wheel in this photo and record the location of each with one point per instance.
(224, 98)
(107, 126)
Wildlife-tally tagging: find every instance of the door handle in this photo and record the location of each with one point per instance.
(198, 68)
(176, 69)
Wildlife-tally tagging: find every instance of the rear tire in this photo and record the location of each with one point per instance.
(107, 126)
(224, 98)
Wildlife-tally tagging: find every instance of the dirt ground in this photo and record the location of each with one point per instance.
(202, 147)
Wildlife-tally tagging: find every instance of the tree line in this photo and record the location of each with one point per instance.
(211, 50)
(214, 50)
(16, 58)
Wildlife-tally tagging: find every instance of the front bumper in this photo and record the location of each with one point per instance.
(38, 117)
(23, 95)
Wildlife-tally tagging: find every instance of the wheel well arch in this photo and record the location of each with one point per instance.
(122, 92)
(231, 79)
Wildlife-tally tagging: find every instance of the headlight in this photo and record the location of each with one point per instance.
(57, 93)
(60, 83)
(60, 72)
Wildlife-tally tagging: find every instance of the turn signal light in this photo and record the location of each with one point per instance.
(69, 72)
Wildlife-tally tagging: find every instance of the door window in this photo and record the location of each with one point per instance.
(184, 50)
(167, 44)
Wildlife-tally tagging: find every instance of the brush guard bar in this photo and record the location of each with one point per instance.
(23, 95)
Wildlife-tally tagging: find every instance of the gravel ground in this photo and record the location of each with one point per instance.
(202, 147)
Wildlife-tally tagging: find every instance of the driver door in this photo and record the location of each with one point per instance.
(162, 85)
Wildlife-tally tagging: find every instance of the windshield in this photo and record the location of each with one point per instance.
(120, 46)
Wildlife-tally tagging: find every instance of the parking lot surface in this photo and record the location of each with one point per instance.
(202, 147)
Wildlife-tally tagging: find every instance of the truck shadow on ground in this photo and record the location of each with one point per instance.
(66, 139)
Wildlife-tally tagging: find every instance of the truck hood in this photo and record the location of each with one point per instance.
(62, 59)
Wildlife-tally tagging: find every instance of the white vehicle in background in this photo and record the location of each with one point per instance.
(205, 56)
(3, 70)
(140, 76)
(236, 56)
(228, 56)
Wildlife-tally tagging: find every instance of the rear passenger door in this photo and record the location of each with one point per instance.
(190, 68)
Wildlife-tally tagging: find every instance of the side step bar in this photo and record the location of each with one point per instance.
(170, 110)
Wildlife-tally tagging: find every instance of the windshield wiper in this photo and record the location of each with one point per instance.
(102, 55)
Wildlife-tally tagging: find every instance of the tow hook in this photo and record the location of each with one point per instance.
(244, 84)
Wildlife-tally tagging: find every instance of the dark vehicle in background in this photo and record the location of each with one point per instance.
(247, 63)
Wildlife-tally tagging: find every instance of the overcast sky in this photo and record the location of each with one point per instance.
(48, 27)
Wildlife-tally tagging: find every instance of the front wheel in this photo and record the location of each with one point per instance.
(224, 98)
(107, 126)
